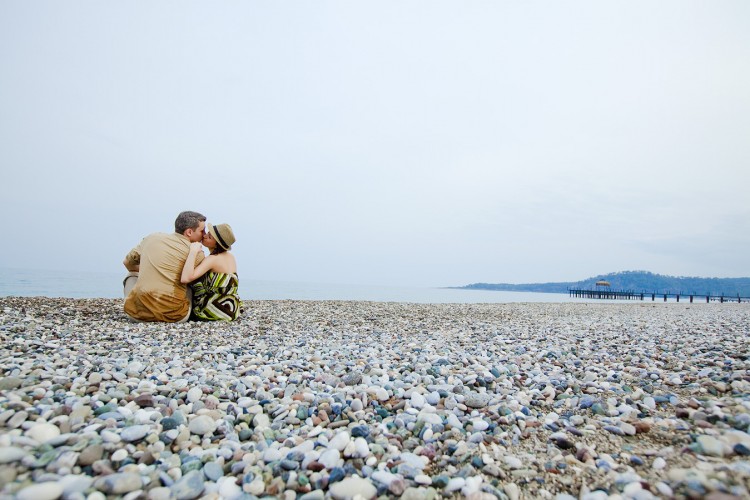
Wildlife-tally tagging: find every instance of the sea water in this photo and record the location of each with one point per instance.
(88, 284)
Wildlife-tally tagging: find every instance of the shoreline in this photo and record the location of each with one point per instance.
(332, 399)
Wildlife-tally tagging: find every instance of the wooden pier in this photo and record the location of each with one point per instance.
(607, 294)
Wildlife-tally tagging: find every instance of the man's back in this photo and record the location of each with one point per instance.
(158, 294)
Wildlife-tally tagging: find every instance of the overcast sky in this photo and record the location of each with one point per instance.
(419, 143)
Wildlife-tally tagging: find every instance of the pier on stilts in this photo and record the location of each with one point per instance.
(606, 294)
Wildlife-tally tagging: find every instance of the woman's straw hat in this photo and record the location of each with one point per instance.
(223, 235)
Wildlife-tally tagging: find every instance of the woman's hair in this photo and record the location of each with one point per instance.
(217, 250)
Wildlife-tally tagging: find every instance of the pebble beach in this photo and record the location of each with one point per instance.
(359, 400)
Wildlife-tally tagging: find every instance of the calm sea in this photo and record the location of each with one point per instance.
(29, 283)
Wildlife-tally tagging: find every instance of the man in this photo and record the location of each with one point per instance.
(153, 291)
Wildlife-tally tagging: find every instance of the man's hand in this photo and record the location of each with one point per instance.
(133, 268)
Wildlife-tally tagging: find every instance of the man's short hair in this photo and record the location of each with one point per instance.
(188, 220)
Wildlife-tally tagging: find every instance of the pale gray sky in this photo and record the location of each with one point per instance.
(391, 142)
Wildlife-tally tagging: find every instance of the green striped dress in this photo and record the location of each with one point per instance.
(215, 297)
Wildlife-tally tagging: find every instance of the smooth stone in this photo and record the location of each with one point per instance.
(108, 408)
(352, 378)
(43, 432)
(440, 481)
(10, 383)
(384, 477)
(43, 491)
(512, 490)
(255, 487)
(91, 454)
(477, 399)
(202, 425)
(110, 437)
(628, 429)
(194, 394)
(479, 425)
(453, 421)
(433, 398)
(10, 454)
(455, 484)
(17, 419)
(472, 485)
(408, 471)
(73, 483)
(381, 394)
(423, 479)
(119, 483)
(360, 431)
(189, 486)
(349, 487)
(245, 402)
(160, 493)
(144, 400)
(114, 415)
(228, 488)
(337, 474)
(168, 423)
(313, 495)
(361, 448)
(287, 464)
(134, 433)
(417, 400)
(273, 455)
(614, 430)
(711, 446)
(339, 441)
(330, 458)
(119, 455)
(417, 461)
(430, 418)
(261, 421)
(179, 417)
(577, 420)
(213, 471)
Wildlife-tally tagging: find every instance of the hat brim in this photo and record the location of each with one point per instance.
(217, 238)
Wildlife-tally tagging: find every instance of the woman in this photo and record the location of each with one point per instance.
(215, 293)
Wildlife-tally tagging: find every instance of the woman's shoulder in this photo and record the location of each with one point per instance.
(231, 261)
(225, 263)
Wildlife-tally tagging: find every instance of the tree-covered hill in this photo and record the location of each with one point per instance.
(637, 281)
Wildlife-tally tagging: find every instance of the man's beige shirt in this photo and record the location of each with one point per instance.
(158, 294)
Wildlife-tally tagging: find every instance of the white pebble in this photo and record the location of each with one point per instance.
(42, 491)
(423, 479)
(194, 394)
(339, 441)
(43, 432)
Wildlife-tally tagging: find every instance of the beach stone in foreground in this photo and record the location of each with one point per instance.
(119, 483)
(9, 383)
(348, 488)
(43, 491)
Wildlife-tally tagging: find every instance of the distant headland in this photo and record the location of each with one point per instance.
(631, 280)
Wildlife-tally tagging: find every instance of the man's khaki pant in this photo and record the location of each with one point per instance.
(129, 282)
